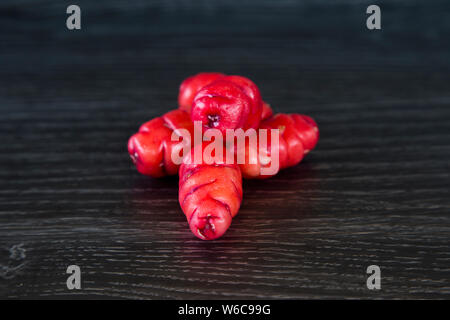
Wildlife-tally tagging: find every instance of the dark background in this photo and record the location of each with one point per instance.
(375, 190)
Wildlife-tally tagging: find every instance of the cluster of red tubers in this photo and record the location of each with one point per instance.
(210, 192)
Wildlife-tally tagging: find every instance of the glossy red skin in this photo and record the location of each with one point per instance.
(308, 131)
(224, 100)
(210, 196)
(252, 91)
(251, 168)
(190, 86)
(266, 111)
(230, 102)
(298, 135)
(151, 148)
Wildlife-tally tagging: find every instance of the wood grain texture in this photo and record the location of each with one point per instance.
(375, 191)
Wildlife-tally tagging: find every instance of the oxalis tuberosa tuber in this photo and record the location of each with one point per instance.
(221, 101)
(210, 194)
(193, 84)
(298, 135)
(210, 187)
(151, 148)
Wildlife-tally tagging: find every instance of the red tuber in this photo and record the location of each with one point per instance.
(190, 86)
(230, 102)
(209, 194)
(151, 148)
(266, 111)
(297, 136)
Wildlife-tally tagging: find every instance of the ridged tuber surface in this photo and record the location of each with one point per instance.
(151, 148)
(210, 195)
(230, 102)
(298, 135)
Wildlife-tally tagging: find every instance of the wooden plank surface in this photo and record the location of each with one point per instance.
(375, 191)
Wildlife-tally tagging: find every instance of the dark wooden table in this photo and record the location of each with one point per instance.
(375, 191)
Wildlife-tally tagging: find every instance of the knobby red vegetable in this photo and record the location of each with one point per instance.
(190, 86)
(209, 194)
(151, 148)
(298, 135)
(230, 102)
